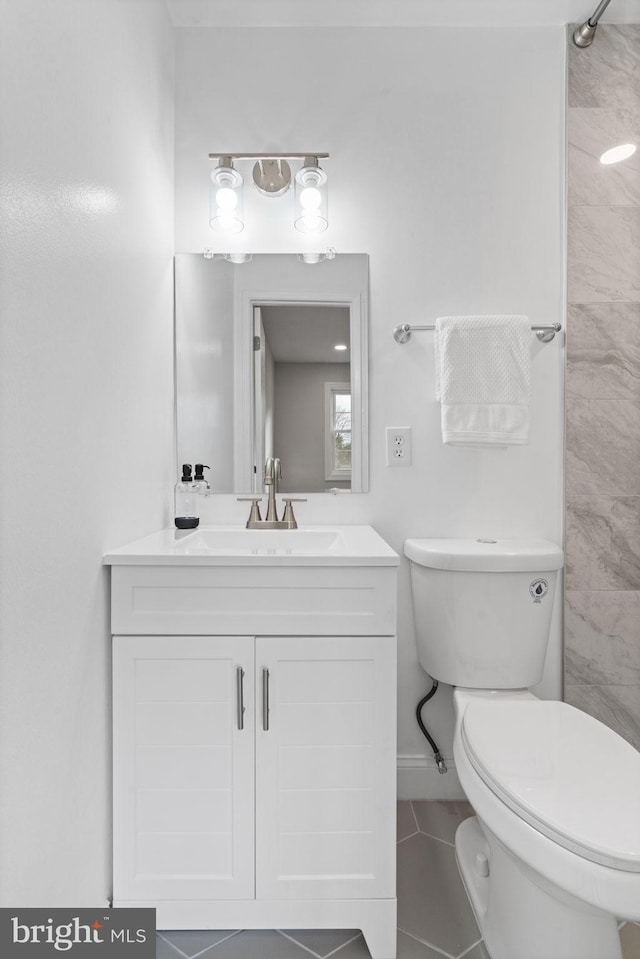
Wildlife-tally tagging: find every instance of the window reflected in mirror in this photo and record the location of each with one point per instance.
(338, 432)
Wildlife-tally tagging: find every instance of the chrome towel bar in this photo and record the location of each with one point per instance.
(402, 334)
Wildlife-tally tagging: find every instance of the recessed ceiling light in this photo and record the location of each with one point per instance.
(616, 154)
(340, 346)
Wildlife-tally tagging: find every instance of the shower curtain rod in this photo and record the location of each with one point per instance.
(583, 35)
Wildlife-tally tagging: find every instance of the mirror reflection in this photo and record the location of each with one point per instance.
(271, 361)
(303, 393)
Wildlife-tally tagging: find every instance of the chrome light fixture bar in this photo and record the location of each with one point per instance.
(270, 156)
(272, 178)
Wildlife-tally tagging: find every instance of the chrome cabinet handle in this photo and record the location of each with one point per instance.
(240, 696)
(265, 699)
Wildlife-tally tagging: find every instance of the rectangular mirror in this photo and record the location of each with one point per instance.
(272, 360)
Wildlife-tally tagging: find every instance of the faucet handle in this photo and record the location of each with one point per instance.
(288, 516)
(254, 514)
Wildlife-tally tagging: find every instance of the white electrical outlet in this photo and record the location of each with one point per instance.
(398, 445)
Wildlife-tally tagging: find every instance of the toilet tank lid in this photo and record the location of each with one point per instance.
(486, 554)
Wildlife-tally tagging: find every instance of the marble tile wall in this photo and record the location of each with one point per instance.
(602, 600)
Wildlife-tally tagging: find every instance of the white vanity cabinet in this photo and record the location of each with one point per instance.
(203, 756)
(254, 768)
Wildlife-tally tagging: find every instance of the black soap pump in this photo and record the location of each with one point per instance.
(199, 482)
(187, 514)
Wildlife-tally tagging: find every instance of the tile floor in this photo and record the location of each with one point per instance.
(434, 917)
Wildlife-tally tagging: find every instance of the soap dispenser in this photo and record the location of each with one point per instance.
(199, 482)
(187, 514)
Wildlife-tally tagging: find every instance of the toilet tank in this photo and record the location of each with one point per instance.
(483, 609)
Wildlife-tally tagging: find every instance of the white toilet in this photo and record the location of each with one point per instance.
(551, 860)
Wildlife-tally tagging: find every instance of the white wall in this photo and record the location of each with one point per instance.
(86, 99)
(446, 166)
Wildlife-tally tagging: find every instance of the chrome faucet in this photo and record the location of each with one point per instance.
(272, 473)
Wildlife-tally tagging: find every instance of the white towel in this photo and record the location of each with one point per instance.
(483, 379)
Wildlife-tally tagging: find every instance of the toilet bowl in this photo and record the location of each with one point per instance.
(551, 860)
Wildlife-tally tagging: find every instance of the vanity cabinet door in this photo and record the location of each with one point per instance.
(183, 768)
(325, 773)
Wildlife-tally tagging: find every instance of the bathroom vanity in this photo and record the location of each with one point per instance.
(254, 729)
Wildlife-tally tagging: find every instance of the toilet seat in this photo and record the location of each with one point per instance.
(558, 768)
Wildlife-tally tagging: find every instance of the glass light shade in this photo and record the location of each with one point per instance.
(225, 199)
(311, 257)
(237, 257)
(311, 198)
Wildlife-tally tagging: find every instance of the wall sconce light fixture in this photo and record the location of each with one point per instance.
(271, 178)
(311, 197)
(225, 198)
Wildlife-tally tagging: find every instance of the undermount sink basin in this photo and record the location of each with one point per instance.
(300, 542)
(237, 546)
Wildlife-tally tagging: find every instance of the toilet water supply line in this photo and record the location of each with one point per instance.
(436, 752)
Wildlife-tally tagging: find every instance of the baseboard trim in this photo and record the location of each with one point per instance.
(418, 778)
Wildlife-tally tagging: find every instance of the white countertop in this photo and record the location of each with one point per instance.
(337, 545)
